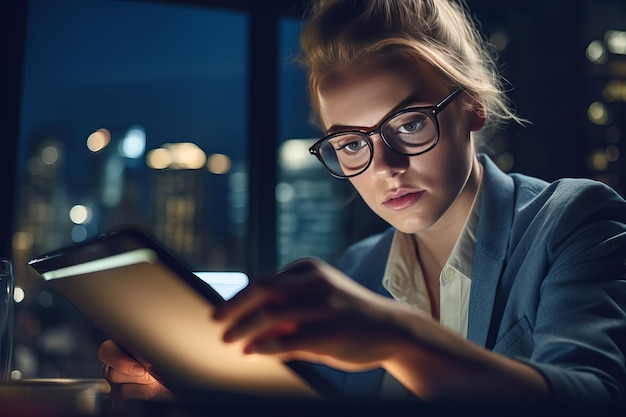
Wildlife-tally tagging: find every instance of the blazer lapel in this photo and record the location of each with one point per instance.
(492, 238)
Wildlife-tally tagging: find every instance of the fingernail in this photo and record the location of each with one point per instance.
(137, 370)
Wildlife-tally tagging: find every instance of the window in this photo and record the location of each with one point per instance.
(317, 215)
(137, 113)
(133, 113)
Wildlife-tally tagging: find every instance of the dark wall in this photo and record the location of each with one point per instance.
(12, 32)
(544, 62)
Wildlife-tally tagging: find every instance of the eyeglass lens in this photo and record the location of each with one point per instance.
(410, 132)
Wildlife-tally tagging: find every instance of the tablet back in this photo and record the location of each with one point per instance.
(143, 298)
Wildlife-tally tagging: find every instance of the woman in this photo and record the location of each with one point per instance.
(487, 286)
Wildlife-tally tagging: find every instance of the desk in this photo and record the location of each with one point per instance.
(53, 397)
(90, 397)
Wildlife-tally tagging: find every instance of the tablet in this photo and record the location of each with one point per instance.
(143, 297)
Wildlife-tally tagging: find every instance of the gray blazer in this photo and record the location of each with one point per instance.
(548, 284)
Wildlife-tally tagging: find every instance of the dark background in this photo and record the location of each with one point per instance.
(542, 55)
(544, 60)
(552, 84)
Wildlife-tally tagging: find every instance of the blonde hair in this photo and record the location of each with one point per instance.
(339, 34)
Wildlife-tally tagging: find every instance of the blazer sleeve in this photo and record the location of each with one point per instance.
(580, 329)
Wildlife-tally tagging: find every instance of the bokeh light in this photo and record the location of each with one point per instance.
(98, 140)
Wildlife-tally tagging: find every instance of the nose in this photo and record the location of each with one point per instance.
(386, 162)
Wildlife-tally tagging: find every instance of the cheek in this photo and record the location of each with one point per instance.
(456, 142)
(362, 185)
(446, 168)
(457, 161)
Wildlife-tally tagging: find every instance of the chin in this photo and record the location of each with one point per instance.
(410, 228)
(415, 223)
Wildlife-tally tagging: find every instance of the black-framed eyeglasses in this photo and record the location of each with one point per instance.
(412, 131)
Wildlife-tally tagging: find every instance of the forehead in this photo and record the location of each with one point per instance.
(364, 94)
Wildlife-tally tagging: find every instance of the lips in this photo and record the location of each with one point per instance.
(402, 199)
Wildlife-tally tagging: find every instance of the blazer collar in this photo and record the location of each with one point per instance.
(492, 239)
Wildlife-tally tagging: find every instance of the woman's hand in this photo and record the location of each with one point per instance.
(127, 377)
(311, 311)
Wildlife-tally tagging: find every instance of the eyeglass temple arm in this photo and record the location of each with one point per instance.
(448, 100)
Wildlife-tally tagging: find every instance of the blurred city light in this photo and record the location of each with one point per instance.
(616, 41)
(79, 233)
(596, 52)
(615, 91)
(133, 144)
(185, 155)
(18, 294)
(599, 161)
(22, 240)
(80, 214)
(598, 113)
(294, 154)
(218, 163)
(98, 140)
(159, 158)
(50, 155)
(284, 192)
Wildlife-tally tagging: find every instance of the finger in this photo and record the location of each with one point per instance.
(311, 338)
(107, 350)
(298, 281)
(251, 298)
(302, 346)
(119, 377)
(119, 366)
(271, 322)
(315, 345)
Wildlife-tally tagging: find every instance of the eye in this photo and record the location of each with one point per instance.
(352, 146)
(409, 123)
(348, 143)
(411, 127)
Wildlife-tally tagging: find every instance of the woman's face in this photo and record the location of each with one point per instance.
(417, 192)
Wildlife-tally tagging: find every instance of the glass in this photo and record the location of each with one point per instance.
(311, 212)
(153, 135)
(6, 317)
(316, 215)
(412, 131)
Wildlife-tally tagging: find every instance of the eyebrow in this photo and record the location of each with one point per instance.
(412, 99)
